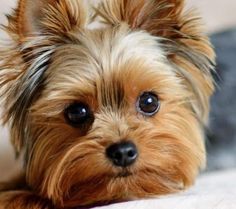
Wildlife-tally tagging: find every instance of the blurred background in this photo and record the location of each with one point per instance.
(220, 19)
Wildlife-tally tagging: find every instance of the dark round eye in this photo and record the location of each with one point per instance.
(148, 103)
(78, 114)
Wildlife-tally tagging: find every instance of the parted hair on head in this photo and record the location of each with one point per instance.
(106, 101)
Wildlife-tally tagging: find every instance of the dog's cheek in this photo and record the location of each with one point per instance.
(67, 169)
(171, 151)
(48, 144)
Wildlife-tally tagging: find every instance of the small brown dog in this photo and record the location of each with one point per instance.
(104, 113)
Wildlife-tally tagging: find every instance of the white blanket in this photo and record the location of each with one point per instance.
(212, 191)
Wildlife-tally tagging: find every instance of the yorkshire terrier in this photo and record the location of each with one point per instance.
(106, 103)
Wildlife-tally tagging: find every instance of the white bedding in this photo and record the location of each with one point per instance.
(212, 191)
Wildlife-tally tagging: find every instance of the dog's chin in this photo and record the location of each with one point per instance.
(100, 190)
(124, 174)
(101, 194)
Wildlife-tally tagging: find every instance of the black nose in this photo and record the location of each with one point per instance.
(122, 154)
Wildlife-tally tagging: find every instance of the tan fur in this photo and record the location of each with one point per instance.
(57, 59)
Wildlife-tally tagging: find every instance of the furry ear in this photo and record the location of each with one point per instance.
(179, 34)
(158, 17)
(43, 16)
(37, 28)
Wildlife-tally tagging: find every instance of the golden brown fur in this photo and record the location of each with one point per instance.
(55, 59)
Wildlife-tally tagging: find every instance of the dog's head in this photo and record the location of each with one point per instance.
(110, 112)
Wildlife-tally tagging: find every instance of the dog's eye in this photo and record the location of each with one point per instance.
(148, 103)
(78, 114)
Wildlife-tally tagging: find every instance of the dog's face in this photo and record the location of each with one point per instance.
(110, 113)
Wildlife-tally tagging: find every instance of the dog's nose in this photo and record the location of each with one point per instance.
(122, 154)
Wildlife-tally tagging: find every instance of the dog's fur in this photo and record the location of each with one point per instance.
(56, 58)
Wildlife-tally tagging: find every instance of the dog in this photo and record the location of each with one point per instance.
(106, 102)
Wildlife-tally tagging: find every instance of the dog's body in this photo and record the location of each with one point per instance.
(109, 113)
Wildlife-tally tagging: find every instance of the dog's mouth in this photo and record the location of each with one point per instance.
(124, 174)
(112, 182)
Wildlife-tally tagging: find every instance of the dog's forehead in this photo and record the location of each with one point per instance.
(105, 52)
(106, 59)
(120, 44)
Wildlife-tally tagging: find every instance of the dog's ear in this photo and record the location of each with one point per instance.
(179, 33)
(47, 16)
(36, 29)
